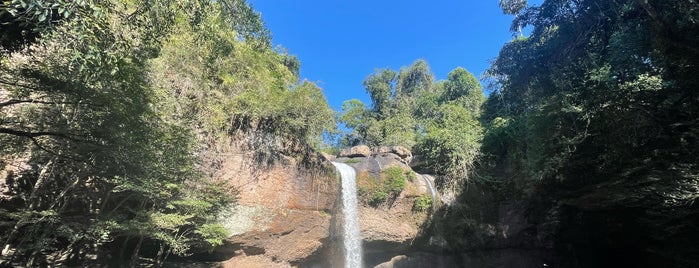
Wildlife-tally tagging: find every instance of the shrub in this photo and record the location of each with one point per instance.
(374, 191)
(354, 160)
(410, 175)
(378, 197)
(422, 203)
(394, 180)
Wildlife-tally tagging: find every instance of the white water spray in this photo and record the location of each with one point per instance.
(352, 239)
(428, 179)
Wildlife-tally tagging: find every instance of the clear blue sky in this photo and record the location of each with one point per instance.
(341, 42)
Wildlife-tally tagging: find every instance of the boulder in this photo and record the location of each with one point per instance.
(356, 151)
(380, 150)
(401, 151)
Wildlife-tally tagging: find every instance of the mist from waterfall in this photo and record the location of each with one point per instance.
(352, 239)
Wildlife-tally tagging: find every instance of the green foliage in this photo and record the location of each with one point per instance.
(612, 79)
(513, 6)
(376, 191)
(394, 180)
(463, 87)
(422, 203)
(452, 142)
(213, 234)
(380, 87)
(223, 80)
(437, 120)
(246, 22)
(413, 80)
(410, 175)
(110, 112)
(378, 197)
(353, 160)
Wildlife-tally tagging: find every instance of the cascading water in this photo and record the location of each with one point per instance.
(352, 239)
(428, 179)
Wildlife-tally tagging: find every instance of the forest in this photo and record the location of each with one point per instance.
(109, 108)
(112, 114)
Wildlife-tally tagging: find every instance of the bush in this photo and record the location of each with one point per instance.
(422, 203)
(378, 197)
(394, 180)
(410, 175)
(374, 191)
(353, 160)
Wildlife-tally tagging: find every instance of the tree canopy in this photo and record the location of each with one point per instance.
(438, 120)
(106, 108)
(598, 86)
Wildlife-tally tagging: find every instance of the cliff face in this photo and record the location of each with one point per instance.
(287, 197)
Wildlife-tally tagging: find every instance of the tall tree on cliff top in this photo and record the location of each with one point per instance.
(436, 120)
(514, 7)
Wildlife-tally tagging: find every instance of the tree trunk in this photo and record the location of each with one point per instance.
(123, 249)
(137, 248)
(159, 259)
(40, 181)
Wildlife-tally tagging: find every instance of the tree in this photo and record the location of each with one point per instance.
(437, 120)
(514, 7)
(380, 86)
(463, 85)
(105, 118)
(414, 80)
(612, 79)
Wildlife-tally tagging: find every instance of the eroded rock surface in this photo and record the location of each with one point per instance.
(356, 151)
(284, 213)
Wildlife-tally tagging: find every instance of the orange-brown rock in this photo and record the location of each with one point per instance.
(285, 204)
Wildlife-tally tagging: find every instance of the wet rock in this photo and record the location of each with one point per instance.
(390, 227)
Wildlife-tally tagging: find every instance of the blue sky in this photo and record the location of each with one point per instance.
(341, 42)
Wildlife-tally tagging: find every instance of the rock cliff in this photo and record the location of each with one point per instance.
(286, 202)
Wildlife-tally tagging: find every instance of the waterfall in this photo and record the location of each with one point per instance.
(428, 179)
(352, 239)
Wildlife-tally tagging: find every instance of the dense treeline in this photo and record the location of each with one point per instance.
(107, 109)
(438, 120)
(598, 88)
(592, 135)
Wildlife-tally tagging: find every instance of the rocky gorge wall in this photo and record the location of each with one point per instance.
(287, 203)
(290, 216)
